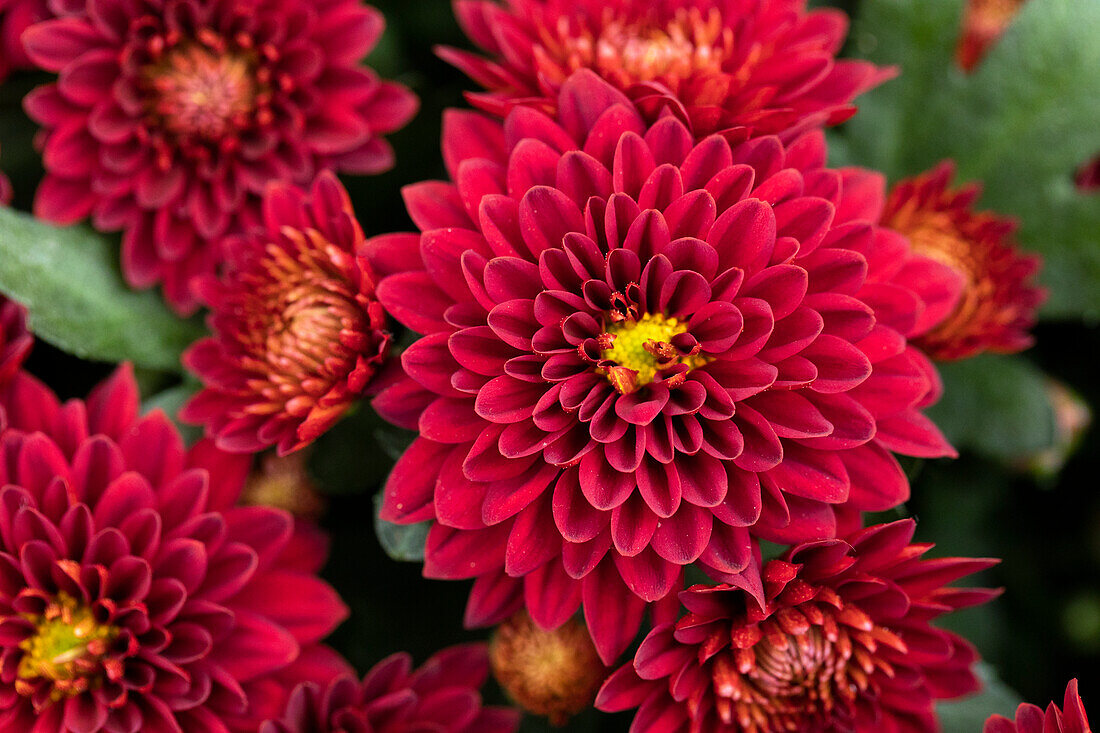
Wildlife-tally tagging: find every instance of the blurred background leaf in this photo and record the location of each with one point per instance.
(69, 280)
(1023, 123)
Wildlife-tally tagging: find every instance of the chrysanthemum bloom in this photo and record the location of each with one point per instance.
(134, 595)
(297, 331)
(843, 643)
(767, 65)
(998, 303)
(15, 339)
(983, 23)
(638, 350)
(15, 17)
(1031, 719)
(551, 673)
(440, 696)
(169, 118)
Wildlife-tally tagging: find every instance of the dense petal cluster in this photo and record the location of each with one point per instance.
(168, 119)
(639, 351)
(998, 304)
(842, 643)
(1031, 718)
(439, 696)
(297, 330)
(983, 23)
(765, 65)
(15, 17)
(133, 595)
(15, 339)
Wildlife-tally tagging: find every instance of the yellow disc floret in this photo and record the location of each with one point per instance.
(642, 348)
(66, 648)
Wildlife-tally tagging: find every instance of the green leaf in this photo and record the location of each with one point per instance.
(969, 714)
(1022, 123)
(70, 282)
(404, 542)
(170, 401)
(996, 405)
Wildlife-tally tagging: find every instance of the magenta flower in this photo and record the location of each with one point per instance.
(641, 351)
(767, 66)
(133, 595)
(841, 643)
(1032, 719)
(15, 339)
(439, 696)
(168, 119)
(15, 17)
(297, 331)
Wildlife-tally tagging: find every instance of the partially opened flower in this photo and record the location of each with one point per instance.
(297, 330)
(15, 17)
(169, 118)
(15, 339)
(639, 352)
(999, 301)
(135, 596)
(1031, 718)
(440, 696)
(983, 24)
(767, 65)
(842, 643)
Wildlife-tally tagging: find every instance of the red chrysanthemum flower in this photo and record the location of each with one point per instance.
(767, 65)
(998, 303)
(983, 23)
(169, 118)
(638, 350)
(134, 595)
(440, 696)
(1031, 719)
(15, 339)
(298, 333)
(842, 643)
(15, 17)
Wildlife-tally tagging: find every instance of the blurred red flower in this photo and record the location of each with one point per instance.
(983, 23)
(998, 303)
(439, 696)
(767, 65)
(1031, 718)
(15, 339)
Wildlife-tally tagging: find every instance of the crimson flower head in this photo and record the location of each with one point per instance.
(168, 119)
(841, 643)
(15, 17)
(297, 330)
(768, 65)
(639, 351)
(439, 696)
(999, 302)
(1031, 718)
(134, 595)
(15, 339)
(983, 24)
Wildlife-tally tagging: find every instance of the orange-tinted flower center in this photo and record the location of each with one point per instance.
(808, 667)
(630, 51)
(299, 312)
(641, 349)
(198, 91)
(67, 650)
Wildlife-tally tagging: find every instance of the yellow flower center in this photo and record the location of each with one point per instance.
(67, 648)
(642, 348)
